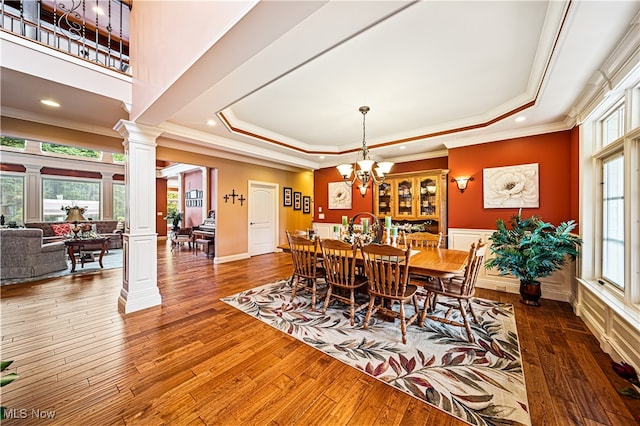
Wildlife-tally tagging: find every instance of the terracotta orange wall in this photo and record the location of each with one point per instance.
(161, 206)
(192, 215)
(552, 152)
(322, 177)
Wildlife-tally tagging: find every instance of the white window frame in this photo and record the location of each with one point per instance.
(77, 179)
(24, 193)
(624, 301)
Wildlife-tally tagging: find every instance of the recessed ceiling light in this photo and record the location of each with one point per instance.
(322, 157)
(98, 10)
(520, 119)
(51, 103)
(211, 122)
(402, 147)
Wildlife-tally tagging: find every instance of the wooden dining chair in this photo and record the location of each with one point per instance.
(387, 270)
(306, 256)
(340, 269)
(462, 289)
(423, 239)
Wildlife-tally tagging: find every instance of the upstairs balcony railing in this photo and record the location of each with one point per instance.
(95, 30)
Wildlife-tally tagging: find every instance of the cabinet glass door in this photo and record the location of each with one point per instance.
(428, 205)
(404, 195)
(384, 199)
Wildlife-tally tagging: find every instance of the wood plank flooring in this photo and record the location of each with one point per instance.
(196, 361)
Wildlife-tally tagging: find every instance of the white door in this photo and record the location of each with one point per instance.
(263, 218)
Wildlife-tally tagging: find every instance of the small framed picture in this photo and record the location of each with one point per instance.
(193, 193)
(187, 203)
(287, 197)
(200, 194)
(297, 201)
(306, 204)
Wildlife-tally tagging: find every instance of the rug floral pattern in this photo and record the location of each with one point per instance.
(481, 383)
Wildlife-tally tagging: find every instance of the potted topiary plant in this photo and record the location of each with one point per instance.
(530, 250)
(175, 217)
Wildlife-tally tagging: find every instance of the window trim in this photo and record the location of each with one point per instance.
(71, 178)
(24, 190)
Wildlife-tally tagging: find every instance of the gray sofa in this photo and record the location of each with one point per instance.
(103, 227)
(23, 254)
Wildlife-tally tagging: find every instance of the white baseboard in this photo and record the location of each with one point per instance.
(232, 258)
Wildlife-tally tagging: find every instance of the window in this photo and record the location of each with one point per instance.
(13, 142)
(172, 203)
(610, 207)
(613, 125)
(613, 220)
(118, 201)
(57, 193)
(71, 151)
(12, 198)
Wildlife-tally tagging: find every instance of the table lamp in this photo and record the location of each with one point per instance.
(75, 215)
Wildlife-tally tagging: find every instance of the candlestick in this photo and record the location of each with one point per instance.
(345, 221)
(388, 239)
(394, 232)
(387, 222)
(365, 225)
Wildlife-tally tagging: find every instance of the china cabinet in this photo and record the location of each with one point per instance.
(414, 197)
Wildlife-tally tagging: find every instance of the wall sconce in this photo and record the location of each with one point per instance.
(462, 182)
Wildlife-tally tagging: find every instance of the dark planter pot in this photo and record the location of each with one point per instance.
(530, 292)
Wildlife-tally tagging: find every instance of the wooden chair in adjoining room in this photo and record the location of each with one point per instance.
(305, 254)
(462, 289)
(340, 268)
(387, 270)
(180, 237)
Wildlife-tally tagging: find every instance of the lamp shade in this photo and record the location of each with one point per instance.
(74, 215)
(345, 170)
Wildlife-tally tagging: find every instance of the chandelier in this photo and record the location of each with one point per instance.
(364, 167)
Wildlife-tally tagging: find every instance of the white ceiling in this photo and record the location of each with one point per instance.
(436, 75)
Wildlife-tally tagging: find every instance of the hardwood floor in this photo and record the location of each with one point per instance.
(196, 360)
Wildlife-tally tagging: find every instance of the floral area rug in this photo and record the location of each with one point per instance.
(481, 383)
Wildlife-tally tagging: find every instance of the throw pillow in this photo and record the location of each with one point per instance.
(61, 229)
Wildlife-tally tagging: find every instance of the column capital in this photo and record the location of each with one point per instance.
(31, 168)
(138, 132)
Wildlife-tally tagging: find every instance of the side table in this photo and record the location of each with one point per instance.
(80, 243)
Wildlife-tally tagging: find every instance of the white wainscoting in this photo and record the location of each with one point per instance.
(325, 229)
(560, 286)
(614, 325)
(617, 329)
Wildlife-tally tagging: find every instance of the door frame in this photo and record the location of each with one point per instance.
(276, 217)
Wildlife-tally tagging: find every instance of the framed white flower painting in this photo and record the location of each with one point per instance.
(339, 195)
(511, 186)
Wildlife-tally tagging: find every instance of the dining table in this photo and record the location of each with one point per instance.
(438, 262)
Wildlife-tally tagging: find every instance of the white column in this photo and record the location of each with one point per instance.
(205, 191)
(107, 196)
(140, 272)
(33, 193)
